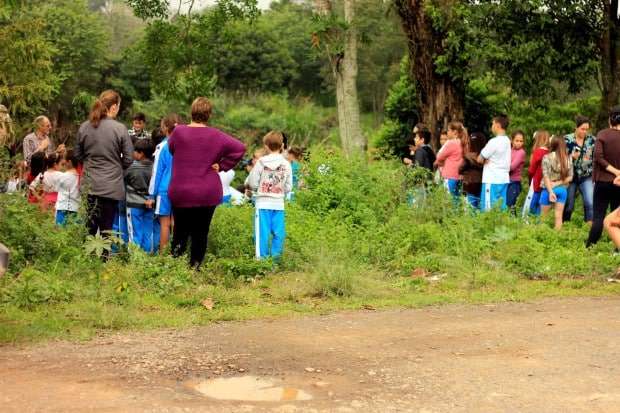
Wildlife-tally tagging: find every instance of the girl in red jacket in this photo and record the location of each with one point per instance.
(539, 150)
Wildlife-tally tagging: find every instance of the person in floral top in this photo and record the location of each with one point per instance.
(580, 146)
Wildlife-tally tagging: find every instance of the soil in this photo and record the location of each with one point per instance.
(559, 355)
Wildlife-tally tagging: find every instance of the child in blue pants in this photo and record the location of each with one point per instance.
(142, 226)
(271, 180)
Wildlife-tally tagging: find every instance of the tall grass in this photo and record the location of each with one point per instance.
(351, 239)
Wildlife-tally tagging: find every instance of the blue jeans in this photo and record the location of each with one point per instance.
(514, 189)
(586, 188)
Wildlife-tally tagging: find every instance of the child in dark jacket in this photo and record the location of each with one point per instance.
(142, 226)
(471, 169)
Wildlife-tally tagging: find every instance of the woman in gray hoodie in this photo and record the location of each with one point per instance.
(104, 146)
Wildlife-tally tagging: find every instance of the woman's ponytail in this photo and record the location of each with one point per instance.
(102, 105)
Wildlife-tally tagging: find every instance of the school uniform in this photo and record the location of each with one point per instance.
(142, 227)
(271, 179)
(495, 173)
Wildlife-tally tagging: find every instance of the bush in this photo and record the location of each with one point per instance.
(350, 235)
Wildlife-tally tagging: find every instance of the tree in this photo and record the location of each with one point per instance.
(609, 44)
(437, 58)
(81, 41)
(536, 45)
(338, 39)
(27, 79)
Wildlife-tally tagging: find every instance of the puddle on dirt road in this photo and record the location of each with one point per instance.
(248, 388)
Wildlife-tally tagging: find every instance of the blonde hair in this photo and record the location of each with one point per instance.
(273, 140)
(201, 110)
(541, 139)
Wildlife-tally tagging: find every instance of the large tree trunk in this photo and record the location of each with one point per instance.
(344, 69)
(610, 61)
(440, 98)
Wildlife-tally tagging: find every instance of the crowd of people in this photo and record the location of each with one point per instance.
(487, 174)
(146, 186)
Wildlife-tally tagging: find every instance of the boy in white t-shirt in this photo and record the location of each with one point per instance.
(496, 172)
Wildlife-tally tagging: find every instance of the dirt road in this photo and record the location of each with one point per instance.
(548, 356)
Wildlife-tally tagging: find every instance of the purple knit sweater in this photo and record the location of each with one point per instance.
(194, 182)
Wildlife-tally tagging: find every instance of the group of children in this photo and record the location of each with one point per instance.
(145, 217)
(488, 173)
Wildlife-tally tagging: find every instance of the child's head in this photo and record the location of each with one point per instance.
(168, 123)
(273, 141)
(423, 137)
(541, 139)
(70, 160)
(477, 141)
(443, 137)
(295, 154)
(138, 121)
(518, 139)
(143, 149)
(500, 124)
(157, 136)
(52, 162)
(37, 163)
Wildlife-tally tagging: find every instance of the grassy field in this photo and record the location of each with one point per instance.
(352, 243)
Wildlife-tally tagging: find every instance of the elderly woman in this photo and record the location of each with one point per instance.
(104, 146)
(198, 152)
(39, 140)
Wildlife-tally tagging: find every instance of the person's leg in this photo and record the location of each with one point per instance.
(535, 207)
(545, 204)
(586, 187)
(108, 211)
(164, 232)
(155, 231)
(485, 197)
(601, 202)
(200, 234)
(561, 194)
(612, 226)
(262, 231)
(61, 218)
(570, 201)
(559, 211)
(181, 231)
(527, 205)
(132, 226)
(279, 234)
(93, 210)
(514, 189)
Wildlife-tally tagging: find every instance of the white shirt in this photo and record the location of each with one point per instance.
(68, 187)
(497, 152)
(226, 178)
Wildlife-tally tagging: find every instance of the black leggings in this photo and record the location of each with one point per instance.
(606, 195)
(191, 223)
(101, 212)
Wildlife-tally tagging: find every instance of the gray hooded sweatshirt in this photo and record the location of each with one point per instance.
(106, 152)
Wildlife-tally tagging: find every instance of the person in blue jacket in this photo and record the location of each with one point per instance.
(160, 180)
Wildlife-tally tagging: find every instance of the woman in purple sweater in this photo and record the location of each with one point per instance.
(195, 190)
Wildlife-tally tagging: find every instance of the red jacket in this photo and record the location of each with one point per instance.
(535, 169)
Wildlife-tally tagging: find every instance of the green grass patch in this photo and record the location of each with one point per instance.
(352, 242)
